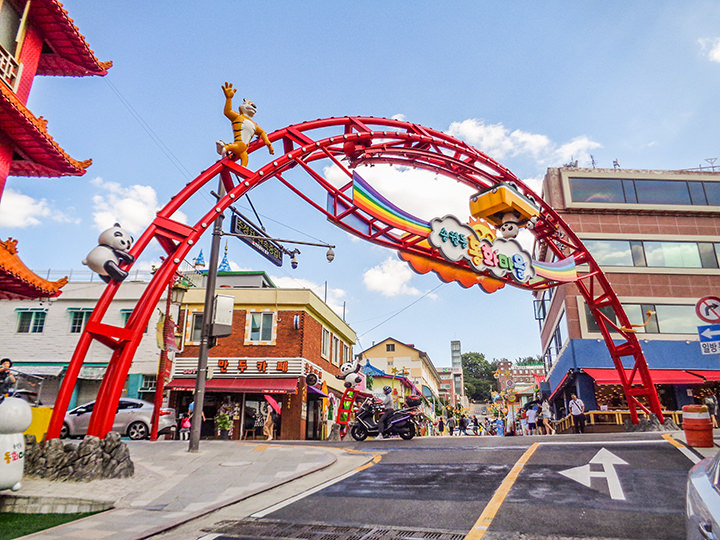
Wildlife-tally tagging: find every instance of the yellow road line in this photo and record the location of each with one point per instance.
(491, 509)
(375, 459)
(669, 438)
(261, 448)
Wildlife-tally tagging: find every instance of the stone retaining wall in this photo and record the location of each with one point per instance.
(90, 459)
(21, 504)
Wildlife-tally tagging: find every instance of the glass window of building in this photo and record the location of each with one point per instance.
(196, 330)
(31, 322)
(712, 191)
(610, 252)
(78, 319)
(9, 25)
(599, 190)
(662, 192)
(674, 319)
(389, 347)
(261, 326)
(672, 254)
(325, 351)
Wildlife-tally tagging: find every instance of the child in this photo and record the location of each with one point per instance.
(185, 428)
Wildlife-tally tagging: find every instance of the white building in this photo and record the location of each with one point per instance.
(40, 338)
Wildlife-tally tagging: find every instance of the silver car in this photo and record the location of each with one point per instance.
(703, 500)
(133, 419)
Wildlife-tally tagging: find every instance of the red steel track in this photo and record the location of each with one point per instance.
(345, 142)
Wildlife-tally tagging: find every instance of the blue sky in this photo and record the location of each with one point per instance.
(531, 84)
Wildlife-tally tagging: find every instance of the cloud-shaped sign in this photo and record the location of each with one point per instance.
(451, 237)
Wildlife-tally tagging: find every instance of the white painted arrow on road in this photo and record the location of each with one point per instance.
(608, 460)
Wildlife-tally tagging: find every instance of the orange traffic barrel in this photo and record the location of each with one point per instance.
(697, 426)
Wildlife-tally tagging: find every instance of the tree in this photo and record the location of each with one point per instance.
(529, 361)
(479, 375)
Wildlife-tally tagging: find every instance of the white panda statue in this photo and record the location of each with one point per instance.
(15, 417)
(349, 372)
(114, 244)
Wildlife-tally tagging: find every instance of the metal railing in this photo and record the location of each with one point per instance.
(608, 418)
(9, 68)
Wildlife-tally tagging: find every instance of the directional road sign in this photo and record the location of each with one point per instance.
(608, 460)
(709, 338)
(708, 309)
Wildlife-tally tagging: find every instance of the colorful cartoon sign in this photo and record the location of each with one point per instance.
(502, 256)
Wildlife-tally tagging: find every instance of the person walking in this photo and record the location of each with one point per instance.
(463, 424)
(451, 425)
(475, 425)
(711, 402)
(441, 426)
(577, 410)
(532, 421)
(185, 427)
(547, 417)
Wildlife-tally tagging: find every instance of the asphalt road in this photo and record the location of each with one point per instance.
(618, 486)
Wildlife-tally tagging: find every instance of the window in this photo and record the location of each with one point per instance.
(78, 319)
(9, 25)
(661, 254)
(645, 191)
(31, 321)
(668, 318)
(337, 352)
(261, 326)
(389, 347)
(196, 330)
(325, 350)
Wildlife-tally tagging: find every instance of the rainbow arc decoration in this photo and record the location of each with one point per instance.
(563, 270)
(368, 199)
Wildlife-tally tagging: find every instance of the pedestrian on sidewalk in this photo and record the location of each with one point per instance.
(547, 417)
(577, 410)
(475, 425)
(463, 424)
(711, 403)
(441, 426)
(532, 421)
(185, 427)
(451, 425)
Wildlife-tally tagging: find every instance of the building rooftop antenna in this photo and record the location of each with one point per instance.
(711, 161)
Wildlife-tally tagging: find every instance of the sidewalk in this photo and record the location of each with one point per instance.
(703, 451)
(172, 486)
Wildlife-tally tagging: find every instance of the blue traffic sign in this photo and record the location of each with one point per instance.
(709, 338)
(709, 332)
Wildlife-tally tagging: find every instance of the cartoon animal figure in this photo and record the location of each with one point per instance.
(15, 417)
(244, 128)
(114, 244)
(349, 372)
(510, 225)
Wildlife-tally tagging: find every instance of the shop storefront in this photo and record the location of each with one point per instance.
(249, 388)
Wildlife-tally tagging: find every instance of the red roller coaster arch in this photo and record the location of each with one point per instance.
(346, 142)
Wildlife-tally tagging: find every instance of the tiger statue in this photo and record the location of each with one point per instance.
(244, 128)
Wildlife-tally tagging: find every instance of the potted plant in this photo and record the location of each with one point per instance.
(223, 421)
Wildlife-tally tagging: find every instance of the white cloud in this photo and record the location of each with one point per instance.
(711, 47)
(390, 278)
(18, 210)
(134, 207)
(335, 297)
(499, 142)
(400, 117)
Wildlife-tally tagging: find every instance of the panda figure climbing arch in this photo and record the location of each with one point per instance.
(350, 373)
(112, 250)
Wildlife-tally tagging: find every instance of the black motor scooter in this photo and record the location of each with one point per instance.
(402, 422)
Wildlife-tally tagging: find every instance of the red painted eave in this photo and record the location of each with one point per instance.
(41, 155)
(70, 54)
(17, 282)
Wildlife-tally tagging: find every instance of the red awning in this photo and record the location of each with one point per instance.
(659, 376)
(260, 385)
(707, 374)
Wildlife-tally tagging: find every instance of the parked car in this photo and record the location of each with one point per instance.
(702, 506)
(132, 419)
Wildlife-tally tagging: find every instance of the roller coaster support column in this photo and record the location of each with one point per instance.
(206, 330)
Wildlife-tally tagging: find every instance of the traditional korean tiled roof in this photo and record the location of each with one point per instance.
(17, 282)
(39, 154)
(69, 53)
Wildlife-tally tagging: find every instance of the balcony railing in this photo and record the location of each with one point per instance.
(9, 68)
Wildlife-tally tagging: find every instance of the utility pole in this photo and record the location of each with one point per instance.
(205, 334)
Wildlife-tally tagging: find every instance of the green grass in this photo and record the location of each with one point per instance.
(17, 525)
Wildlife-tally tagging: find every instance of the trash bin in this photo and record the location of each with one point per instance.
(697, 426)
